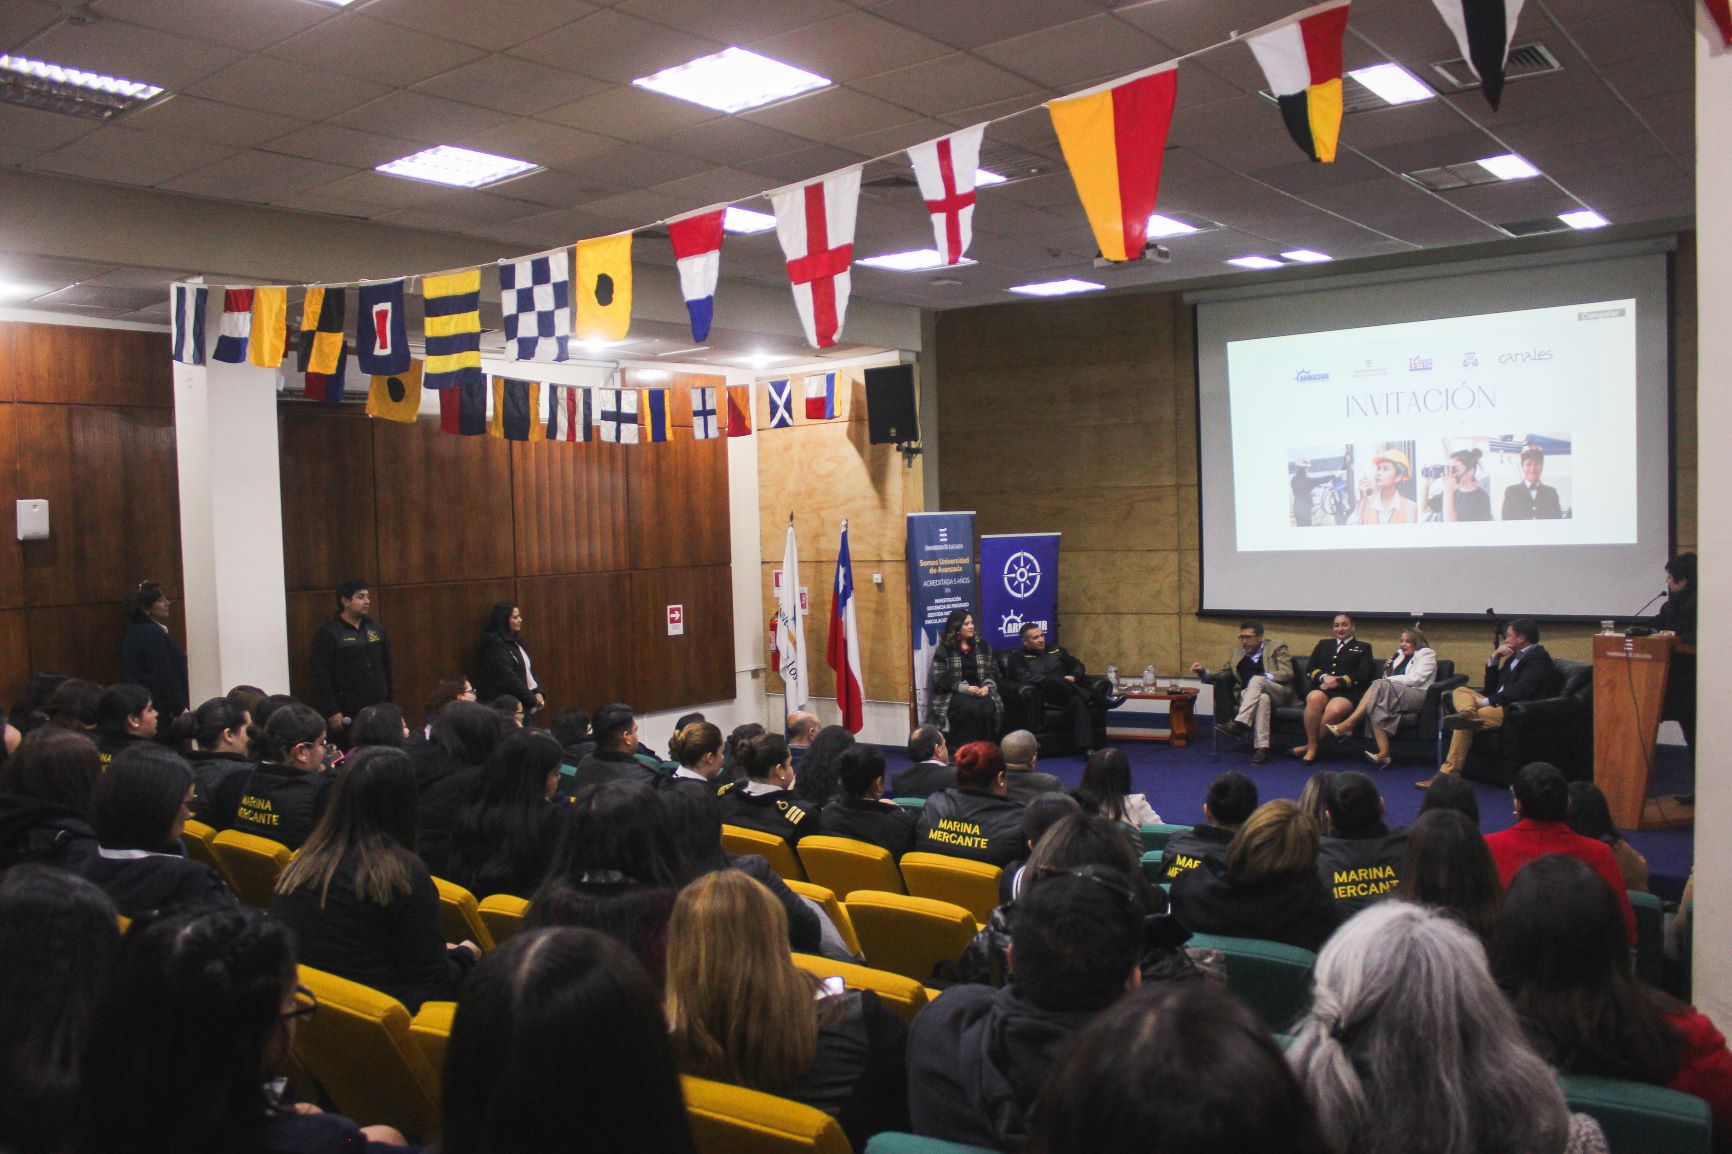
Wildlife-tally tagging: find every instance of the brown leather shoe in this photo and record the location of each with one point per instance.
(1427, 783)
(1232, 729)
(1259, 756)
(1468, 721)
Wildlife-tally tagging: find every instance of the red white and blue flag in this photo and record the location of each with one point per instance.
(237, 327)
(815, 223)
(697, 240)
(945, 169)
(821, 397)
(843, 653)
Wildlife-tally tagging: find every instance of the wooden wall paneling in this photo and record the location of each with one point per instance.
(697, 666)
(67, 365)
(11, 549)
(569, 506)
(579, 638)
(113, 486)
(435, 633)
(443, 505)
(9, 370)
(677, 496)
(15, 667)
(329, 525)
(306, 612)
(78, 640)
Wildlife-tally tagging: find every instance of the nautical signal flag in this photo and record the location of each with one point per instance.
(321, 347)
(237, 326)
(821, 397)
(1301, 60)
(463, 408)
(452, 328)
(781, 397)
(381, 330)
(653, 404)
(1113, 140)
(187, 302)
(697, 241)
(945, 170)
(269, 338)
(396, 396)
(1721, 13)
(1483, 30)
(569, 414)
(516, 410)
(535, 299)
(617, 417)
(739, 410)
(815, 223)
(703, 414)
(604, 288)
(328, 387)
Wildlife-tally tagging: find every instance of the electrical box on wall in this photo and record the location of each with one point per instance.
(33, 520)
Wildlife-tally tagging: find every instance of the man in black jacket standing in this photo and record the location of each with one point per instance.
(1042, 675)
(351, 660)
(1526, 674)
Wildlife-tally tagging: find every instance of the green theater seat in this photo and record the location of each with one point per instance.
(1272, 978)
(914, 803)
(1650, 937)
(1152, 864)
(1639, 1118)
(890, 1142)
(1156, 836)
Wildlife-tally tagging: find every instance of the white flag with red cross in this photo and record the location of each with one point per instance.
(945, 169)
(815, 223)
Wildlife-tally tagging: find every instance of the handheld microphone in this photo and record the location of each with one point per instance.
(1643, 630)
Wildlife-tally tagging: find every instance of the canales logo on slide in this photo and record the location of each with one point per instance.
(1522, 356)
(1021, 575)
(1306, 375)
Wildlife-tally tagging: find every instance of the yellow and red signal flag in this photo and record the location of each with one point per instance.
(1113, 139)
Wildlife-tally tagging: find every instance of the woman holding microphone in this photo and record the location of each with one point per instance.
(1401, 689)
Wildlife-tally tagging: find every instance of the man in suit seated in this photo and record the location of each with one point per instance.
(1519, 670)
(1341, 667)
(1261, 672)
(1530, 500)
(931, 770)
(1051, 675)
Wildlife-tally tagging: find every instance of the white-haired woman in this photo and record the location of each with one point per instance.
(1406, 677)
(1410, 1048)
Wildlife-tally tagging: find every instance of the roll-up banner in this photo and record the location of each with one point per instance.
(940, 579)
(1018, 586)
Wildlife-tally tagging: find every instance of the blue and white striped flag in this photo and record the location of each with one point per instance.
(188, 304)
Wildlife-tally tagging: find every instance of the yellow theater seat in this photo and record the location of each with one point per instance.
(359, 1048)
(833, 910)
(197, 839)
(844, 864)
(460, 917)
(431, 1029)
(780, 855)
(902, 996)
(972, 885)
(502, 914)
(733, 1120)
(251, 865)
(908, 935)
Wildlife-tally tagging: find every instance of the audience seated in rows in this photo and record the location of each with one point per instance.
(360, 903)
(1542, 801)
(124, 718)
(616, 754)
(1591, 816)
(697, 746)
(930, 771)
(1269, 887)
(1232, 798)
(1106, 783)
(1038, 816)
(1359, 855)
(504, 838)
(1023, 781)
(570, 727)
(1447, 866)
(380, 724)
(284, 796)
(449, 770)
(45, 796)
(743, 1013)
(861, 812)
(765, 800)
(817, 775)
(139, 811)
(221, 758)
(800, 729)
(973, 819)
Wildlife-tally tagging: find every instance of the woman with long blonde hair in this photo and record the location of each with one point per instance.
(743, 1013)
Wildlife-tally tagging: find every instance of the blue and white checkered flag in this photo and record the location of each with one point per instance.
(535, 296)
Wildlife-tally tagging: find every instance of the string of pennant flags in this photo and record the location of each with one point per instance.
(1112, 137)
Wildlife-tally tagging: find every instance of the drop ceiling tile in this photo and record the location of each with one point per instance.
(972, 23)
(735, 21)
(1651, 74)
(638, 166)
(190, 116)
(101, 296)
(321, 202)
(521, 87)
(1071, 55)
(716, 185)
(376, 50)
(155, 279)
(549, 145)
(565, 225)
(1398, 125)
(144, 54)
(846, 48)
(898, 139)
(336, 145)
(730, 141)
(26, 133)
(802, 164)
(95, 311)
(258, 176)
(948, 84)
(249, 27)
(492, 24)
(128, 156)
(22, 19)
(273, 85)
(475, 208)
(46, 270)
(556, 188)
(428, 119)
(1636, 28)
(615, 46)
(376, 188)
(832, 113)
(630, 113)
(635, 209)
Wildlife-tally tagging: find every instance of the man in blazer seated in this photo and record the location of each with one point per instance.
(1261, 670)
(1518, 670)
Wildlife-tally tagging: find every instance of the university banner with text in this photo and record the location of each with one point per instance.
(1018, 586)
(940, 580)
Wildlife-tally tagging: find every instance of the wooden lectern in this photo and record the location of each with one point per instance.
(1630, 675)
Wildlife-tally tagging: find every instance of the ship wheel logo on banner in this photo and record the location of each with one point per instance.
(1021, 575)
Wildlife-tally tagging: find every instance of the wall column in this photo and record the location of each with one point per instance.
(231, 524)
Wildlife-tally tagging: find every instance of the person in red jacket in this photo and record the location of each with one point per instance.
(1542, 800)
(1558, 957)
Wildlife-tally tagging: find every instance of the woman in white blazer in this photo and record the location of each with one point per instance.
(1401, 689)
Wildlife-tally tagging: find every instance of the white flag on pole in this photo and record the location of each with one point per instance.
(791, 629)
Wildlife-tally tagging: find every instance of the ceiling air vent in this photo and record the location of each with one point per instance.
(1525, 61)
(1452, 176)
(1536, 227)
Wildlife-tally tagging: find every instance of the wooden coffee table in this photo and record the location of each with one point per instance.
(1138, 719)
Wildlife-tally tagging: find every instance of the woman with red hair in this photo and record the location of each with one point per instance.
(974, 819)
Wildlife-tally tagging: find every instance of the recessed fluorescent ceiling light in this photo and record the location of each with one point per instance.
(985, 176)
(1583, 218)
(1304, 256)
(920, 258)
(732, 80)
(1057, 288)
(683, 352)
(1392, 82)
(1509, 166)
(337, 3)
(458, 167)
(70, 91)
(760, 360)
(1160, 226)
(745, 220)
(1255, 262)
(12, 291)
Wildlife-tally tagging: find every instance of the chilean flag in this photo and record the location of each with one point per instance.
(815, 223)
(1721, 12)
(843, 654)
(945, 169)
(697, 239)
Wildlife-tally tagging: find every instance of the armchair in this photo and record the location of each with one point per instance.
(1558, 729)
(1025, 709)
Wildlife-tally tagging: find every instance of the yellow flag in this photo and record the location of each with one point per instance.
(270, 331)
(396, 397)
(603, 286)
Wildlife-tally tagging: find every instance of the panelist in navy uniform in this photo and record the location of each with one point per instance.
(1341, 667)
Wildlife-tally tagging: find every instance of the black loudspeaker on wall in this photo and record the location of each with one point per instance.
(890, 414)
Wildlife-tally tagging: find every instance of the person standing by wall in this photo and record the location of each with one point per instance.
(351, 659)
(150, 656)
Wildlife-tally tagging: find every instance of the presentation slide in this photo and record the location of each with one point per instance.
(1493, 439)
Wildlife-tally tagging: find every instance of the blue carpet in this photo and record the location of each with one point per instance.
(1177, 780)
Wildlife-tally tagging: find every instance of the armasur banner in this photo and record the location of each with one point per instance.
(1018, 586)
